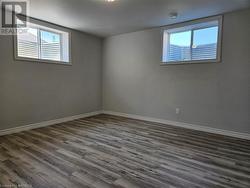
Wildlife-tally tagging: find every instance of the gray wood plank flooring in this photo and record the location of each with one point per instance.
(108, 151)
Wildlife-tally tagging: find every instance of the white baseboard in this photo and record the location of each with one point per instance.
(144, 118)
(183, 125)
(46, 123)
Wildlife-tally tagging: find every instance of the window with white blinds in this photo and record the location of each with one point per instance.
(43, 44)
(50, 45)
(28, 44)
(195, 42)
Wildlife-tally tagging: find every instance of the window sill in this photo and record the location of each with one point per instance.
(189, 62)
(43, 61)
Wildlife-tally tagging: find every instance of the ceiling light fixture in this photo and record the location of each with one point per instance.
(173, 15)
(109, 1)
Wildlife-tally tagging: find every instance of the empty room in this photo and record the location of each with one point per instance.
(125, 94)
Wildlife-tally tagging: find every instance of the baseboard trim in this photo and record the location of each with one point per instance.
(144, 118)
(46, 123)
(183, 125)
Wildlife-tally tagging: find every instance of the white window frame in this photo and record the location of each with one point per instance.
(44, 26)
(191, 26)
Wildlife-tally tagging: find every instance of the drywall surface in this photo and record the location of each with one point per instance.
(215, 95)
(32, 92)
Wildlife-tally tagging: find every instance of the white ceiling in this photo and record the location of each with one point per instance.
(104, 19)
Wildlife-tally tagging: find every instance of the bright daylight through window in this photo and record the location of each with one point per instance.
(196, 42)
(43, 44)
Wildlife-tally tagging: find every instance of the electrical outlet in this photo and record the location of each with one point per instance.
(177, 110)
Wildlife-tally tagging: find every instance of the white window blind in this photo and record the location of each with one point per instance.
(28, 44)
(192, 43)
(50, 45)
(43, 44)
(205, 43)
(179, 46)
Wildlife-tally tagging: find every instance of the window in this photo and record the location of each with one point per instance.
(50, 45)
(194, 43)
(43, 44)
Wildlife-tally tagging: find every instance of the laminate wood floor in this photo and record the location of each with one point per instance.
(108, 151)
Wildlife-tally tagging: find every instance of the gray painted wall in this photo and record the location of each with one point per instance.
(215, 95)
(34, 92)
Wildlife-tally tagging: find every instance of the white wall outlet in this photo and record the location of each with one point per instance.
(177, 110)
